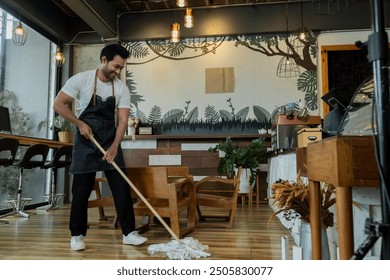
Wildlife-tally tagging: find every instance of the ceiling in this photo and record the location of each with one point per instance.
(92, 21)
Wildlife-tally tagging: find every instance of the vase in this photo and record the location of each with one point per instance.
(305, 242)
(65, 136)
(245, 186)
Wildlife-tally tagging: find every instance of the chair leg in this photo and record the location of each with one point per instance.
(19, 203)
(52, 197)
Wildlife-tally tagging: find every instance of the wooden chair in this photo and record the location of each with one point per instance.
(169, 199)
(216, 192)
(100, 202)
(175, 172)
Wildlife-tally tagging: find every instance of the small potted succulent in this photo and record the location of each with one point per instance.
(62, 127)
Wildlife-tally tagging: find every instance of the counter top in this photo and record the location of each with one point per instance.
(204, 136)
(28, 141)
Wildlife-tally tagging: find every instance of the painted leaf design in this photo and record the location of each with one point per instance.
(307, 81)
(173, 115)
(193, 115)
(242, 114)
(262, 115)
(311, 100)
(225, 115)
(137, 49)
(211, 114)
(155, 115)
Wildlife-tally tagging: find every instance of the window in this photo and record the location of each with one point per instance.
(27, 88)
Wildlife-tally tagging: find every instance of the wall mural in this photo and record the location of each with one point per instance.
(188, 120)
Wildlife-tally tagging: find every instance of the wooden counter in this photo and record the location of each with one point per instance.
(345, 162)
(195, 136)
(28, 141)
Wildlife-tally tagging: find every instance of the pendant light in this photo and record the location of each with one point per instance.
(329, 7)
(59, 57)
(287, 67)
(175, 32)
(181, 3)
(188, 18)
(19, 35)
(303, 35)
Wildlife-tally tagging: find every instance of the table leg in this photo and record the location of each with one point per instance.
(315, 219)
(344, 222)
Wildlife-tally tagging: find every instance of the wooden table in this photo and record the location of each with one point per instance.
(345, 162)
(28, 141)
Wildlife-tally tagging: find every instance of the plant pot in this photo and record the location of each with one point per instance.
(305, 242)
(245, 186)
(65, 136)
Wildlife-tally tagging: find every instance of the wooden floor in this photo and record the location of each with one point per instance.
(45, 235)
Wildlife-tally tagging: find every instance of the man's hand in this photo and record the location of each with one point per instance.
(110, 154)
(85, 130)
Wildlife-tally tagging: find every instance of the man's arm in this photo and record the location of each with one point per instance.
(62, 105)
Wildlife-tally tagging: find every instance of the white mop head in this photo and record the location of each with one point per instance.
(184, 249)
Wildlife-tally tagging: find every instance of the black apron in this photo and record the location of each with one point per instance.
(100, 116)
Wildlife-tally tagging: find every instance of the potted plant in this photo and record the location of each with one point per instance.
(248, 157)
(62, 127)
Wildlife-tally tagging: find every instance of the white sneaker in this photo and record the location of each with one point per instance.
(77, 243)
(133, 238)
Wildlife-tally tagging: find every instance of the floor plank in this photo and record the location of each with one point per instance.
(45, 236)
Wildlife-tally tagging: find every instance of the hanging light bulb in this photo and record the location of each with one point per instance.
(59, 57)
(188, 18)
(175, 32)
(303, 35)
(19, 36)
(181, 3)
(287, 67)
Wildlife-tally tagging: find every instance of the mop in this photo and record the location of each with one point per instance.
(184, 249)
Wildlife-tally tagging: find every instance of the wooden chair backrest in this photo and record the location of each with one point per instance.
(150, 181)
(178, 171)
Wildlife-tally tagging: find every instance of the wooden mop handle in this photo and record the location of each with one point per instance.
(137, 191)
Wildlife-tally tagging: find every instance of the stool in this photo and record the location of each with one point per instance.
(29, 160)
(253, 192)
(62, 159)
(8, 149)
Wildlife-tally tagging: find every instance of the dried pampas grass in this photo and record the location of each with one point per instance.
(294, 196)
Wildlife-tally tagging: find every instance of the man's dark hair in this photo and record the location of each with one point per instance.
(110, 51)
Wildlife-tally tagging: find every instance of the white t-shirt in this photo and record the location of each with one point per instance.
(80, 87)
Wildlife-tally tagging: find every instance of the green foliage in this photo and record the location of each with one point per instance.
(59, 124)
(249, 156)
